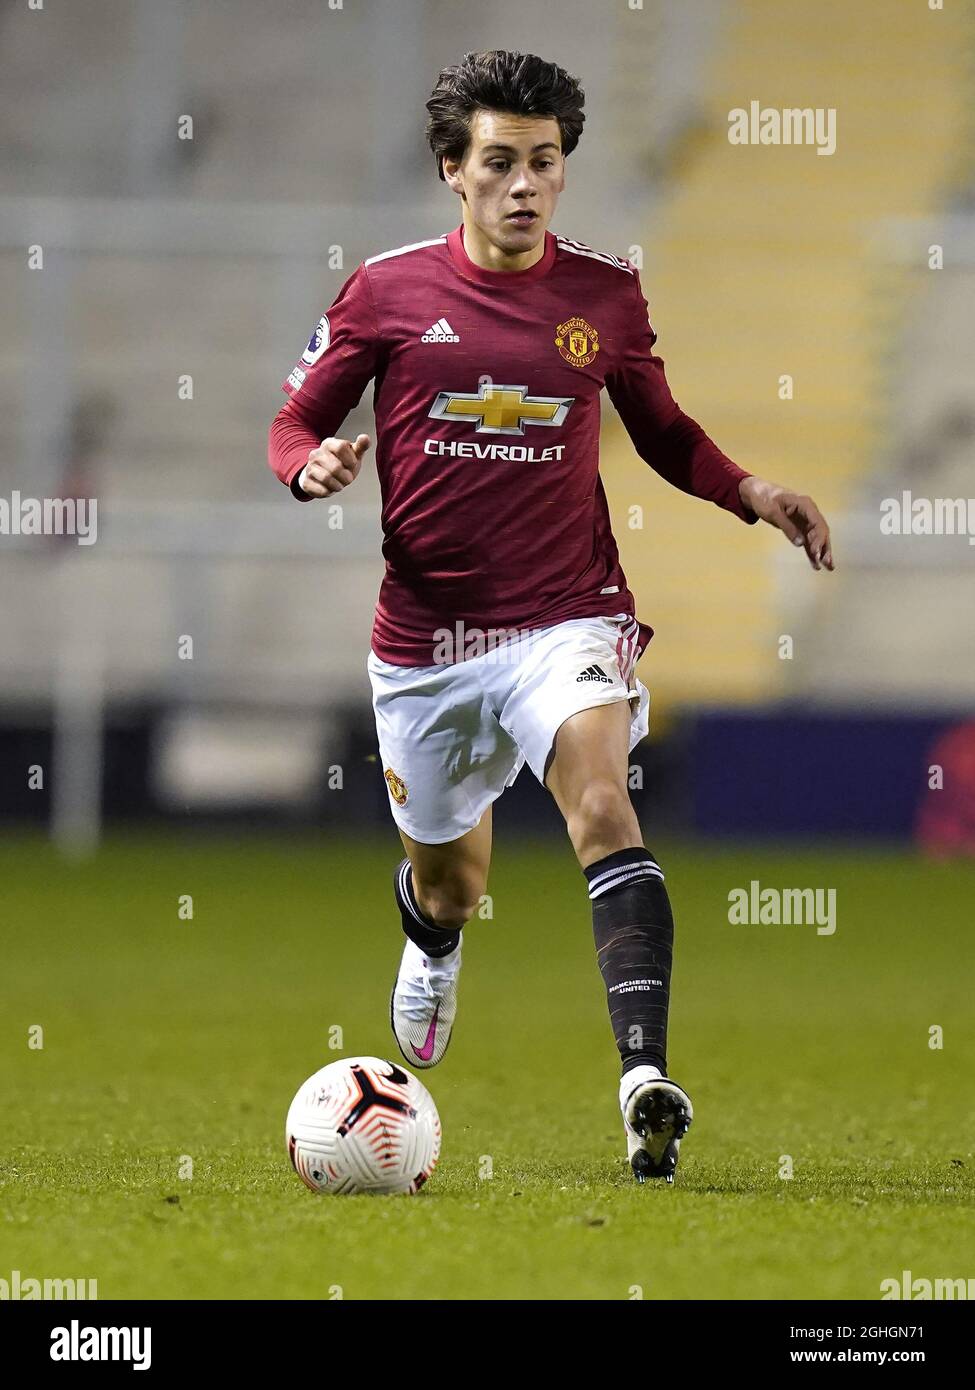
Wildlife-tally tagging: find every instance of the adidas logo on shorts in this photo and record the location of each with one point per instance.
(440, 332)
(594, 673)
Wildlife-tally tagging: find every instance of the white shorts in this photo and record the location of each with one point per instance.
(452, 737)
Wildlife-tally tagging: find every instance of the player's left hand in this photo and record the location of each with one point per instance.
(795, 515)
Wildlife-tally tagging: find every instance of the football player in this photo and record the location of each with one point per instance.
(505, 632)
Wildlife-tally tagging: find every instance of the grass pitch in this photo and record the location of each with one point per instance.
(167, 1040)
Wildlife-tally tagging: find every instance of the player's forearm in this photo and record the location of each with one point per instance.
(290, 441)
(673, 444)
(690, 460)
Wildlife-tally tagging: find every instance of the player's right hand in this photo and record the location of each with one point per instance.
(332, 466)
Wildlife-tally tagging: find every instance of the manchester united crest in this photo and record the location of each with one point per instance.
(397, 787)
(577, 341)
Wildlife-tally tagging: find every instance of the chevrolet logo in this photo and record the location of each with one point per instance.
(501, 409)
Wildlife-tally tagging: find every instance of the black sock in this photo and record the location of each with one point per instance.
(634, 931)
(432, 940)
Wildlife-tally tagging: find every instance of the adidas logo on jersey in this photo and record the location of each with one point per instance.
(594, 673)
(440, 332)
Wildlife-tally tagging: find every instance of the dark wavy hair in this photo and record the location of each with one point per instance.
(520, 84)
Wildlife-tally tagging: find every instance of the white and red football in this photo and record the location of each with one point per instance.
(363, 1125)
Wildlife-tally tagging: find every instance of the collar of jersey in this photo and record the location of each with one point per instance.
(505, 279)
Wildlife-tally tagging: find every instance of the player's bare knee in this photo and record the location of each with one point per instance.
(603, 813)
(451, 904)
(451, 913)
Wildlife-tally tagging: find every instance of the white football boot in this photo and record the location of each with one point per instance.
(656, 1116)
(424, 1004)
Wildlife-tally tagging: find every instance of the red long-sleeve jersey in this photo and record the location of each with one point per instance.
(487, 388)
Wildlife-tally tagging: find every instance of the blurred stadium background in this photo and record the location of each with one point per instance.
(170, 260)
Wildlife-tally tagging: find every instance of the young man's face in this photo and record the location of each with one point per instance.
(510, 179)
